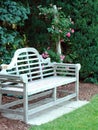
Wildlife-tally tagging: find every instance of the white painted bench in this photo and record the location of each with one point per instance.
(30, 75)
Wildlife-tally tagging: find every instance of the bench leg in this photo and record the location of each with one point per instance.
(0, 98)
(77, 90)
(55, 94)
(25, 104)
(25, 107)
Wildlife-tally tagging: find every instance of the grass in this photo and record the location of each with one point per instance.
(84, 118)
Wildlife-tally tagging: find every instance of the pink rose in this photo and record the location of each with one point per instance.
(62, 57)
(48, 48)
(45, 55)
(72, 30)
(68, 34)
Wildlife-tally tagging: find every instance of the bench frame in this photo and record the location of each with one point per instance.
(30, 76)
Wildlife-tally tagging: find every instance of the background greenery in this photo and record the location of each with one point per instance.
(84, 47)
(12, 17)
(21, 25)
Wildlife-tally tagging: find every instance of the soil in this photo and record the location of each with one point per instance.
(87, 91)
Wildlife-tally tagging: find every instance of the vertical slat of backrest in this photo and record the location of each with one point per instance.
(40, 67)
(22, 63)
(34, 65)
(17, 67)
(36, 70)
(29, 71)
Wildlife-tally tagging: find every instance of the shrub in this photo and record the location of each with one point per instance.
(84, 42)
(12, 17)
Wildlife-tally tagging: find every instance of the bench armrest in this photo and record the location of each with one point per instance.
(13, 81)
(67, 69)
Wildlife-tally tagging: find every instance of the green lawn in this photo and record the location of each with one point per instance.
(84, 118)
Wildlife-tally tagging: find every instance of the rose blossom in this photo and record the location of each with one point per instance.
(62, 57)
(45, 55)
(72, 30)
(68, 34)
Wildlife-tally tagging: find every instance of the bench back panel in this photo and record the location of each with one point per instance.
(28, 61)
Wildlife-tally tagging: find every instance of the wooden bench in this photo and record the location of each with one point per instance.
(29, 75)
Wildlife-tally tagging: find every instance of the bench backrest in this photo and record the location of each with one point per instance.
(28, 61)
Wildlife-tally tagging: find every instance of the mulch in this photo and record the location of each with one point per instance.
(87, 91)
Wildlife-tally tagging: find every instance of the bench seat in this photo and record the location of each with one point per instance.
(42, 84)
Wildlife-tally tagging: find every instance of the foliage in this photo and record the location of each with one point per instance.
(36, 27)
(42, 22)
(84, 118)
(6, 47)
(13, 12)
(12, 16)
(84, 43)
(9, 36)
(50, 53)
(60, 27)
(59, 24)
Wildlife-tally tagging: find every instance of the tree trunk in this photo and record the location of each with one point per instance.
(58, 47)
(58, 44)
